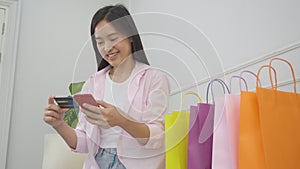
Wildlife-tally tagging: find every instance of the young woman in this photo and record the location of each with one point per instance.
(126, 130)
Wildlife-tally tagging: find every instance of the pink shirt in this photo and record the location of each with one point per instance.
(148, 94)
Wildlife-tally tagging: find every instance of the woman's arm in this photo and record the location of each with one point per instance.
(138, 130)
(68, 134)
(54, 116)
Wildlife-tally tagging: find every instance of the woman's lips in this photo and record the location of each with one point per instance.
(112, 56)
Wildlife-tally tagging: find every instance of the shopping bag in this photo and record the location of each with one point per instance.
(279, 114)
(222, 158)
(232, 115)
(176, 137)
(250, 148)
(200, 137)
(221, 151)
(251, 153)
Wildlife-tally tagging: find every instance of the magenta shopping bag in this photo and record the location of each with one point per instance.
(200, 138)
(200, 151)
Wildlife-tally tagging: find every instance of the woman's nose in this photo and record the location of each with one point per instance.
(108, 46)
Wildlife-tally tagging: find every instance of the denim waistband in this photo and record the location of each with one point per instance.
(107, 150)
(107, 158)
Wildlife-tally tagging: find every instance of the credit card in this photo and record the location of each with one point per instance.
(66, 102)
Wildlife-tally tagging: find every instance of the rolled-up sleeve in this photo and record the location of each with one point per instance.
(81, 146)
(157, 102)
(80, 129)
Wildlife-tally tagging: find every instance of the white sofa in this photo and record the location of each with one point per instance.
(57, 154)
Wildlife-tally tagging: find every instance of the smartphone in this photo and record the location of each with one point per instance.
(85, 98)
(65, 102)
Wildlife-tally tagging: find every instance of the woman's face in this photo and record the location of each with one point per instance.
(113, 46)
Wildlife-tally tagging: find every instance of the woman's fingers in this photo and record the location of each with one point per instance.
(94, 115)
(53, 107)
(49, 119)
(52, 114)
(92, 112)
(105, 117)
(51, 100)
(91, 108)
(99, 122)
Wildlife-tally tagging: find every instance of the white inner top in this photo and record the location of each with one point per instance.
(117, 95)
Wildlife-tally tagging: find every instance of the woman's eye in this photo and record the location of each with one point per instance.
(114, 39)
(100, 43)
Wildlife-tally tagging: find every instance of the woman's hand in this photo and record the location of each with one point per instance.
(110, 116)
(53, 114)
(105, 117)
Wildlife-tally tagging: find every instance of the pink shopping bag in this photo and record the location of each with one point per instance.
(222, 158)
(232, 109)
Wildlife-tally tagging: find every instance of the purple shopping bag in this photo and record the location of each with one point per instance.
(200, 140)
(200, 153)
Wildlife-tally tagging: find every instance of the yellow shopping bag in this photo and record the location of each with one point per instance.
(176, 137)
(176, 126)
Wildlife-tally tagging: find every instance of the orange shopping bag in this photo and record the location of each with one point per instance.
(279, 114)
(250, 147)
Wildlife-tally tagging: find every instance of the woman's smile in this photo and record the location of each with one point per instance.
(112, 56)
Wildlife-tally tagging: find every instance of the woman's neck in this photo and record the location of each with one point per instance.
(122, 72)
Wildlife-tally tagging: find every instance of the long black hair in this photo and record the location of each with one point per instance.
(125, 25)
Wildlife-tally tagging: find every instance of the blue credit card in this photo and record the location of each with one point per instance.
(66, 102)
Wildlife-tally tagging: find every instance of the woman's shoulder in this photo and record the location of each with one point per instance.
(144, 69)
(100, 73)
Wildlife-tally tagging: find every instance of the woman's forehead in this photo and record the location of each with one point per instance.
(105, 29)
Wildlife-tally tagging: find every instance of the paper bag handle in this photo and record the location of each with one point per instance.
(241, 78)
(275, 75)
(183, 101)
(292, 71)
(247, 71)
(223, 84)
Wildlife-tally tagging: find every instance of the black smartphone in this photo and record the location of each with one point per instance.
(65, 102)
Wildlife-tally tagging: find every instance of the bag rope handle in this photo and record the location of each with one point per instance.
(238, 77)
(275, 75)
(221, 82)
(183, 101)
(250, 72)
(292, 71)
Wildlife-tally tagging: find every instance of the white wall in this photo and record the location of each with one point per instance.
(240, 32)
(52, 35)
(239, 29)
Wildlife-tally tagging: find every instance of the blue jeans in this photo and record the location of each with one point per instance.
(107, 158)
